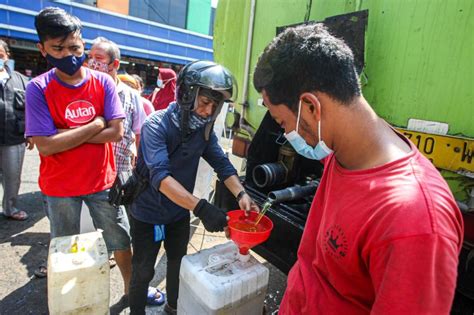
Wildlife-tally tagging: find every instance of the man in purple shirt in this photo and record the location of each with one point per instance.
(73, 114)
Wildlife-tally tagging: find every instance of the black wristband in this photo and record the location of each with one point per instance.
(240, 195)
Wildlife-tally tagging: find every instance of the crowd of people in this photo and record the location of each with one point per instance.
(88, 122)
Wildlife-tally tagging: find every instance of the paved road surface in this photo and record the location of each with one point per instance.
(24, 246)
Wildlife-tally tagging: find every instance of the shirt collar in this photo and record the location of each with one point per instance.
(121, 86)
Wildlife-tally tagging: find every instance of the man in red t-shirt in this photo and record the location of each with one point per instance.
(384, 232)
(73, 114)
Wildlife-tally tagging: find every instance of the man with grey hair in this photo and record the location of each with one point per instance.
(104, 56)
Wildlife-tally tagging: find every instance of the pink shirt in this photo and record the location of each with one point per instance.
(147, 106)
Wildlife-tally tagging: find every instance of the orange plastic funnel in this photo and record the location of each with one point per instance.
(243, 231)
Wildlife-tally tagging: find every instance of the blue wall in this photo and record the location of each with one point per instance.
(136, 37)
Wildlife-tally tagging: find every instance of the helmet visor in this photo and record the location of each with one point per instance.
(220, 79)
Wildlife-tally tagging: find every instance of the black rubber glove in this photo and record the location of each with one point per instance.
(213, 218)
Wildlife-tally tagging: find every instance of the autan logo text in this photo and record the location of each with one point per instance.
(80, 112)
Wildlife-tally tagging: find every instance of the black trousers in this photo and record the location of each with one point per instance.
(145, 252)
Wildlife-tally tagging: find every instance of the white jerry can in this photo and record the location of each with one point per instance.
(78, 275)
(216, 281)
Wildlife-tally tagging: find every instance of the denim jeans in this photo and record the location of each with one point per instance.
(145, 252)
(64, 214)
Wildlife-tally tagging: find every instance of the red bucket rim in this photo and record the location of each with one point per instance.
(269, 222)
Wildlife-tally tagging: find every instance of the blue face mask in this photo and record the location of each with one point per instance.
(319, 152)
(69, 65)
(159, 83)
(2, 64)
(10, 64)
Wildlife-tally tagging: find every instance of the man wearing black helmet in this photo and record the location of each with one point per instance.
(172, 142)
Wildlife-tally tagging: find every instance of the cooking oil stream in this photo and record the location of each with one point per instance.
(268, 203)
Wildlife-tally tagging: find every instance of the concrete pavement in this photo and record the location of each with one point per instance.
(24, 246)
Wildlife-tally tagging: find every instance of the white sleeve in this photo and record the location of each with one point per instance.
(139, 114)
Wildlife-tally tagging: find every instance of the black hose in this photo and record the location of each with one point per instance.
(293, 193)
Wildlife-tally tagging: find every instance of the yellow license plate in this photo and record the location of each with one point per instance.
(450, 153)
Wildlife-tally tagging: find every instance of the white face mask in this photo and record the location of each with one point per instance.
(319, 152)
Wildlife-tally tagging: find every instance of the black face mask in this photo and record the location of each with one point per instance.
(69, 65)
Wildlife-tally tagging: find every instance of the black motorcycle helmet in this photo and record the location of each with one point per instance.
(205, 78)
